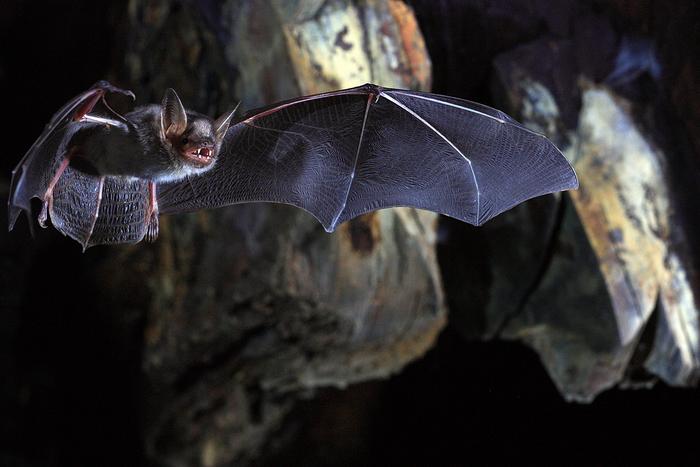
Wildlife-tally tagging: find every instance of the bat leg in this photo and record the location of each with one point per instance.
(48, 195)
(152, 214)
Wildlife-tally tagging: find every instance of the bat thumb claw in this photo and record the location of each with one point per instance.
(106, 86)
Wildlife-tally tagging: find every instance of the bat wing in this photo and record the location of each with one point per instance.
(341, 154)
(32, 175)
(88, 208)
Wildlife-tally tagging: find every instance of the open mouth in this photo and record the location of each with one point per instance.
(200, 156)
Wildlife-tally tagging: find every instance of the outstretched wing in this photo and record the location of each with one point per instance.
(341, 154)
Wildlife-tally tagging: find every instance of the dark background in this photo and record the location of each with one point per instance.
(67, 397)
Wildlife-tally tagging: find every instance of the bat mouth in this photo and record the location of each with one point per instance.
(200, 157)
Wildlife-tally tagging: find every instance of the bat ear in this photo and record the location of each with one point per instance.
(172, 115)
(222, 123)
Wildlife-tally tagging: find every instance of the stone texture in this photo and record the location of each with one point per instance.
(253, 305)
(588, 315)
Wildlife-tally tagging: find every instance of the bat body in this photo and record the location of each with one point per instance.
(105, 178)
(137, 149)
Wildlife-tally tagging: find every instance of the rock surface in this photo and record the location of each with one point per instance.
(635, 265)
(249, 305)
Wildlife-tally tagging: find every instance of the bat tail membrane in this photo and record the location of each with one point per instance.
(96, 210)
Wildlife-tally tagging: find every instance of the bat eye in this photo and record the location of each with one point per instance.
(185, 140)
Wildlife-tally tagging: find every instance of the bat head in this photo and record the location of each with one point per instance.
(195, 138)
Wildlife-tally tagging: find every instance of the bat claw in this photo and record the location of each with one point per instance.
(106, 86)
(152, 214)
(43, 214)
(152, 228)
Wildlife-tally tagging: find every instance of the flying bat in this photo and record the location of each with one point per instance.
(104, 178)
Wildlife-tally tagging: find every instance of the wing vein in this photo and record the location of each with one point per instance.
(370, 97)
(450, 104)
(483, 114)
(437, 132)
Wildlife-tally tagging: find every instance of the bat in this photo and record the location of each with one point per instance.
(104, 178)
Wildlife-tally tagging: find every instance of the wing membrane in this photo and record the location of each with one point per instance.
(339, 155)
(302, 154)
(510, 163)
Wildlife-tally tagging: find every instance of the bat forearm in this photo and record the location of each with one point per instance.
(105, 121)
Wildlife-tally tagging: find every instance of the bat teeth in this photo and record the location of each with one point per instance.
(201, 154)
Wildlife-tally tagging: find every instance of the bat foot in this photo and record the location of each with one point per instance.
(152, 228)
(48, 196)
(43, 214)
(152, 214)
